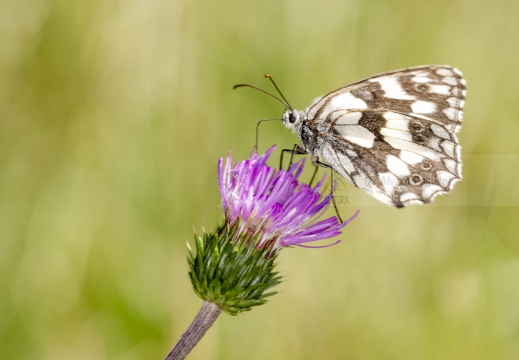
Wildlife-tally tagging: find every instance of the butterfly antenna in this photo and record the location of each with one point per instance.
(264, 91)
(281, 100)
(279, 91)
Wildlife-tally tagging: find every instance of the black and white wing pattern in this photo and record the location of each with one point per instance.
(392, 135)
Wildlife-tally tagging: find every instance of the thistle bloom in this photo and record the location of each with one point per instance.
(265, 210)
(272, 205)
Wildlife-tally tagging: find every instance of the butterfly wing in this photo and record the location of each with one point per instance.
(433, 92)
(394, 135)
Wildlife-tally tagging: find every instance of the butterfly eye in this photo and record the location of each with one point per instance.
(292, 117)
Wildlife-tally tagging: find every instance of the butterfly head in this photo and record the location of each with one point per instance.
(293, 119)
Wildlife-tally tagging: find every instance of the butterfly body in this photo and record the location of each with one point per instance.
(393, 135)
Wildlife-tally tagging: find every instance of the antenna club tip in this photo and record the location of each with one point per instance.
(268, 76)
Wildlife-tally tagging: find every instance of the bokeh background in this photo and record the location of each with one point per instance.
(113, 115)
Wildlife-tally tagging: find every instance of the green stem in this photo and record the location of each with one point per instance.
(202, 322)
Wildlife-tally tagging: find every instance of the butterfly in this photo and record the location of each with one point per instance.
(392, 135)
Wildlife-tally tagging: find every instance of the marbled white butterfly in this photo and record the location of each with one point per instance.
(392, 135)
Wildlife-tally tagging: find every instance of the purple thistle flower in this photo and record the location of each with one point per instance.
(273, 206)
(233, 268)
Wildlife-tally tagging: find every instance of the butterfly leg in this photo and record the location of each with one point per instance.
(332, 179)
(297, 150)
(314, 174)
(257, 130)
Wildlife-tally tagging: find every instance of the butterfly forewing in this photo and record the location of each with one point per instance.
(392, 135)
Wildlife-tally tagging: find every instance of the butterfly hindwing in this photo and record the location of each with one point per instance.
(399, 159)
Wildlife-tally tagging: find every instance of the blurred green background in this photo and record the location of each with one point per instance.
(113, 117)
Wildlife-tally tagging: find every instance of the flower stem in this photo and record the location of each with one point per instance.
(202, 322)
